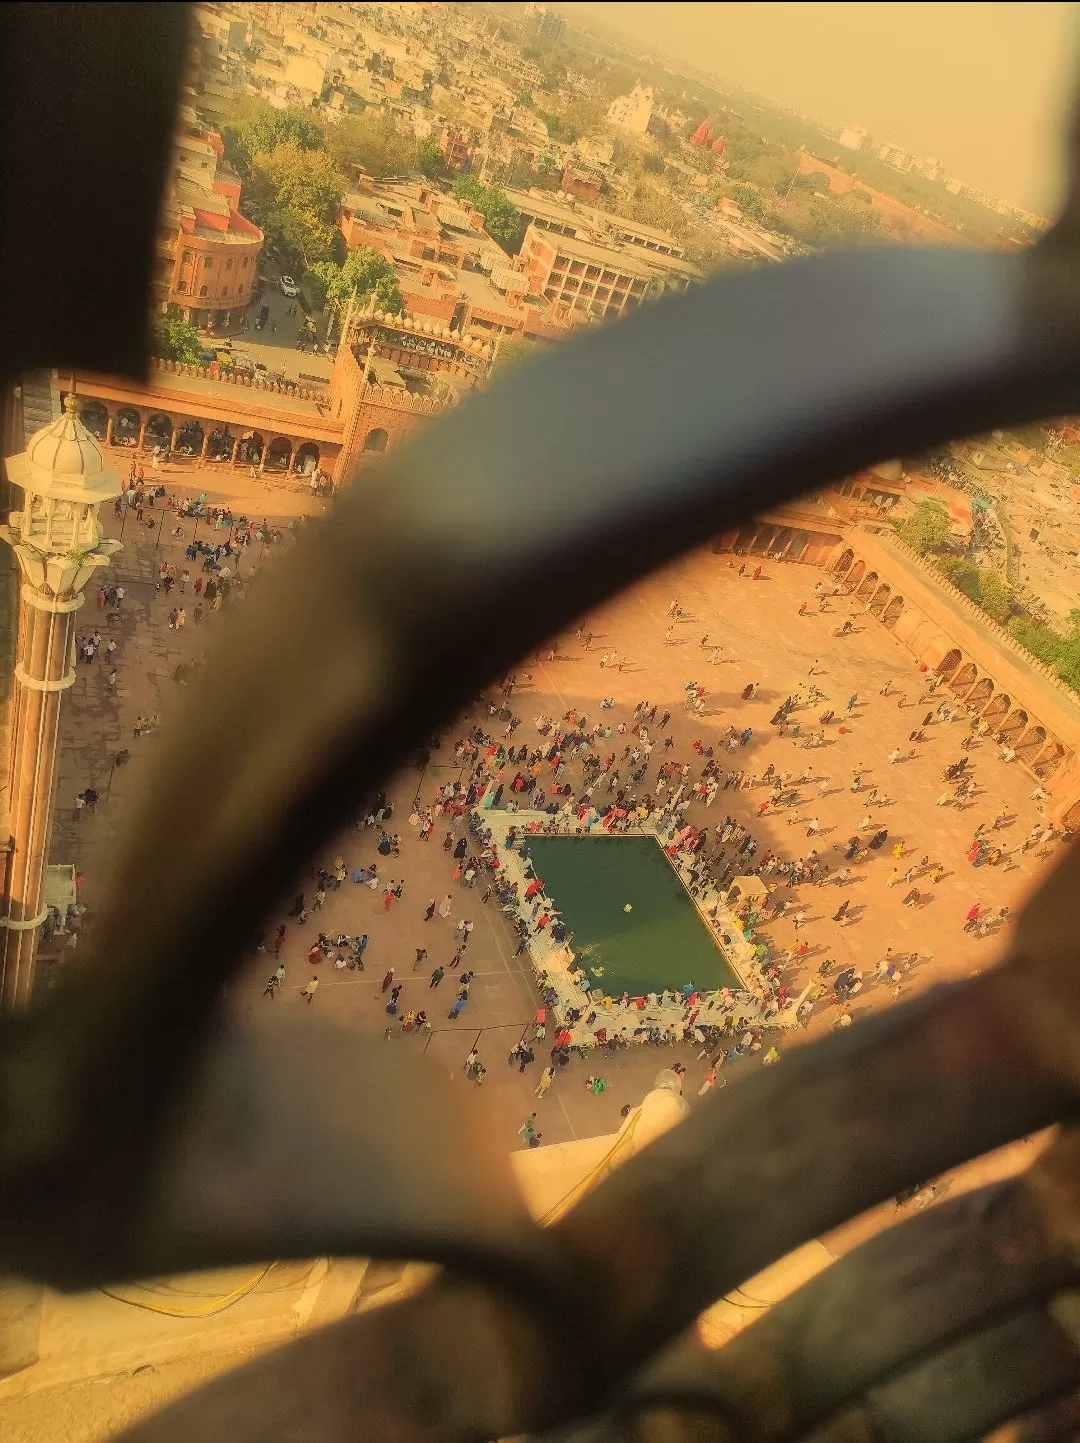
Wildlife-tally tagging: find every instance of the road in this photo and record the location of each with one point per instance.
(277, 348)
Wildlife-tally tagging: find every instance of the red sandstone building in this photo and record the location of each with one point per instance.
(207, 253)
(391, 374)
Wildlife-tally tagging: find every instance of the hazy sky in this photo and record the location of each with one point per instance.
(982, 87)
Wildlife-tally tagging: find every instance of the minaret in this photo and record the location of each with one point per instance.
(56, 537)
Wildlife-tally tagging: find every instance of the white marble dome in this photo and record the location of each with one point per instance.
(65, 447)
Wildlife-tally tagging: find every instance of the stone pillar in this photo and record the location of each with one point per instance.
(172, 439)
(58, 544)
(142, 434)
(44, 669)
(236, 451)
(109, 432)
(205, 446)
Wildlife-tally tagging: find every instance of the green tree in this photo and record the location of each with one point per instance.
(365, 274)
(558, 127)
(1060, 652)
(927, 529)
(963, 574)
(294, 196)
(707, 251)
(373, 140)
(509, 350)
(174, 339)
(261, 128)
(429, 158)
(501, 219)
(814, 182)
(995, 594)
(586, 115)
(748, 201)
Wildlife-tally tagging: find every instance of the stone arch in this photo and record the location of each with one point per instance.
(95, 417)
(843, 561)
(867, 586)
(948, 663)
(278, 454)
(1051, 757)
(964, 679)
(1014, 726)
(1031, 743)
(855, 575)
(998, 708)
(189, 438)
(892, 613)
(980, 694)
(1071, 820)
(127, 423)
(306, 460)
(251, 448)
(219, 446)
(880, 599)
(158, 430)
(376, 439)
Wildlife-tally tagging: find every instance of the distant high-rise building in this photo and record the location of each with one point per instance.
(632, 112)
(540, 23)
(895, 156)
(929, 168)
(852, 137)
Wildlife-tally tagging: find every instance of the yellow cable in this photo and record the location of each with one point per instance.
(559, 1209)
(218, 1305)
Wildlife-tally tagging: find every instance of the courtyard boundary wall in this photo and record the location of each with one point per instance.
(1017, 699)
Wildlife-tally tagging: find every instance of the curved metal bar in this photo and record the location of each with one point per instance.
(770, 383)
(784, 1155)
(452, 1362)
(908, 1293)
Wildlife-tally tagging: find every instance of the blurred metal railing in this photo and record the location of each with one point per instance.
(140, 1134)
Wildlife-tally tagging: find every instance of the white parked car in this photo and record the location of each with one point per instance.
(289, 287)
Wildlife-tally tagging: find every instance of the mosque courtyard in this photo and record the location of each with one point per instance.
(762, 639)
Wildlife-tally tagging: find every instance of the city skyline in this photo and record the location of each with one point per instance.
(942, 95)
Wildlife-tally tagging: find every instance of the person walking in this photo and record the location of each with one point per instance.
(430, 910)
(388, 979)
(436, 977)
(528, 1128)
(547, 1077)
(446, 906)
(308, 992)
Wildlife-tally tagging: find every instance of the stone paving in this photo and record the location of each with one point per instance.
(763, 640)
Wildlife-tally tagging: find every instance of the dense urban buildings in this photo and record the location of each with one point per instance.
(208, 252)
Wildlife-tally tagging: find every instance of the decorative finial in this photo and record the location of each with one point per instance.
(71, 404)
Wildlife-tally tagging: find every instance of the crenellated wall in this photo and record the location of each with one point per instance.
(981, 665)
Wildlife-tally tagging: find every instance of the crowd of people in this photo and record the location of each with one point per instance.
(617, 769)
(580, 773)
